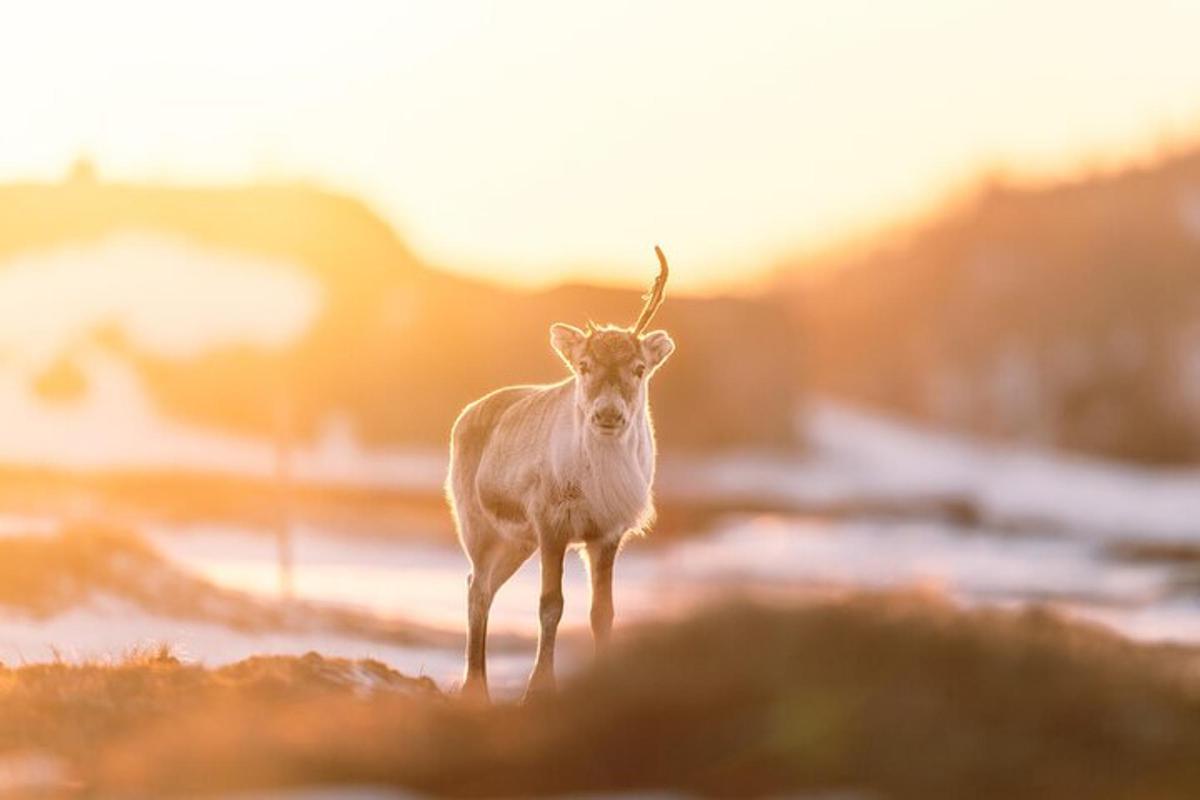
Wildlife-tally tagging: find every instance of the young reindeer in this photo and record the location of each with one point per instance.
(542, 468)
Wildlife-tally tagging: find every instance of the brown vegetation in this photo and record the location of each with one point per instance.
(890, 696)
(1065, 314)
(138, 495)
(83, 713)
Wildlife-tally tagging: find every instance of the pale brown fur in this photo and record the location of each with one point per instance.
(545, 468)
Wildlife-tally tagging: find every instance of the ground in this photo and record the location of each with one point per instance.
(892, 696)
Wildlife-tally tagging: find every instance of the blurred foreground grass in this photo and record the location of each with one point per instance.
(888, 696)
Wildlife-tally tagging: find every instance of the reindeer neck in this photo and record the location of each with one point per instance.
(632, 451)
(614, 474)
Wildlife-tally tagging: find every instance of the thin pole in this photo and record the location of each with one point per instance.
(283, 496)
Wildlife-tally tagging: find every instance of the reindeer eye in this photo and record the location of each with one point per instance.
(639, 371)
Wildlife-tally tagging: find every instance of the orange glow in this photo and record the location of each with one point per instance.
(534, 141)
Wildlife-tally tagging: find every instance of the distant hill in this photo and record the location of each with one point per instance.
(1065, 314)
(398, 347)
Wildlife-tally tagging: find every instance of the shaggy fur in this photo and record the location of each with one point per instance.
(544, 468)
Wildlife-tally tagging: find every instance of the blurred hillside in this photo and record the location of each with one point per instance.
(1066, 315)
(394, 348)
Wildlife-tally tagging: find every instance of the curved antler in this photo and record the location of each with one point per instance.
(653, 298)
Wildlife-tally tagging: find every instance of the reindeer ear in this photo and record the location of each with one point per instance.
(657, 345)
(566, 341)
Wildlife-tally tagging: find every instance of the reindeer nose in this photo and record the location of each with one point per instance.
(608, 417)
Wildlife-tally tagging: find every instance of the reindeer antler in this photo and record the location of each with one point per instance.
(653, 298)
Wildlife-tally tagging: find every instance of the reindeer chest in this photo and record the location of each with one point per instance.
(601, 506)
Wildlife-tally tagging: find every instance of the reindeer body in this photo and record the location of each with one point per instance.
(536, 460)
(544, 468)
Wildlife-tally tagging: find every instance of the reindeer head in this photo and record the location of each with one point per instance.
(613, 364)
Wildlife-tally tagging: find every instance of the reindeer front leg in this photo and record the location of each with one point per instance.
(550, 612)
(601, 556)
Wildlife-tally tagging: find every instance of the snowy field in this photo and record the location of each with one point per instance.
(1044, 532)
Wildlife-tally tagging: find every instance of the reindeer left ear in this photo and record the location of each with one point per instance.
(657, 345)
(566, 341)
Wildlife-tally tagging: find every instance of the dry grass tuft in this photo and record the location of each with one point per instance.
(88, 713)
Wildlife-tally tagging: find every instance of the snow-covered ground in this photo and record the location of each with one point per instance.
(108, 627)
(778, 554)
(1044, 529)
(1009, 484)
(124, 430)
(426, 583)
(864, 458)
(774, 554)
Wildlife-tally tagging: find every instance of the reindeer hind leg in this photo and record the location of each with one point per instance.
(493, 561)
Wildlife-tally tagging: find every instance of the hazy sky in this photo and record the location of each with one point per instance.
(538, 140)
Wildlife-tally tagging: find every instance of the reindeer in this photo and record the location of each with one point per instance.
(545, 468)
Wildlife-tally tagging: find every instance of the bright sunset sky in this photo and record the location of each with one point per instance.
(534, 141)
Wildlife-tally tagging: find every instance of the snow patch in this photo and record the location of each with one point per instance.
(115, 425)
(109, 627)
(171, 296)
(864, 459)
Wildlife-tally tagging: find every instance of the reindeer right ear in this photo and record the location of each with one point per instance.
(567, 341)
